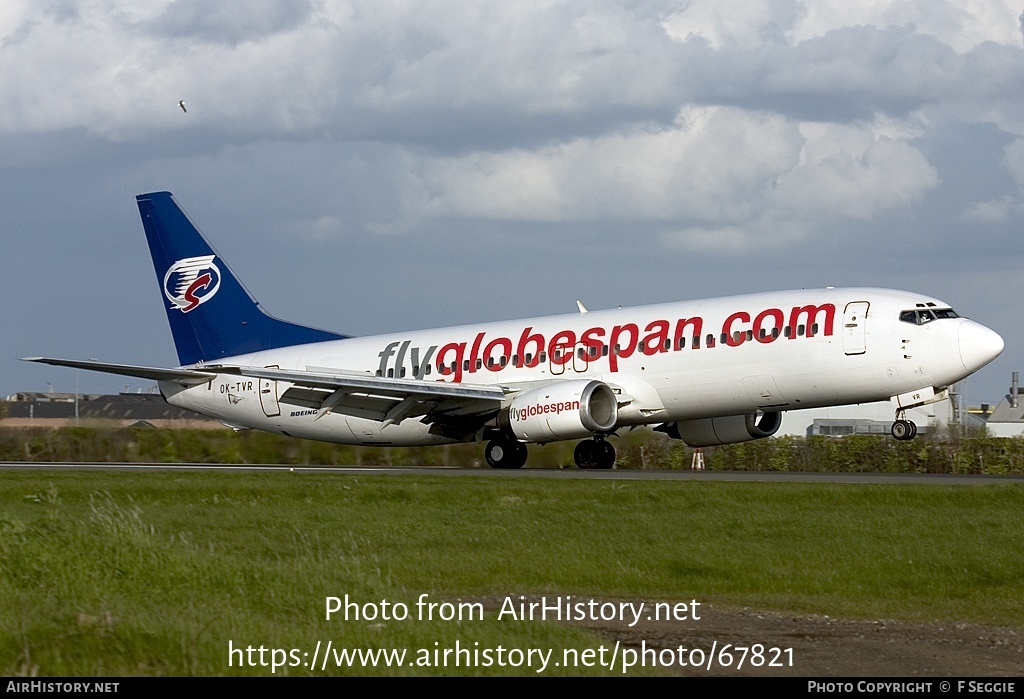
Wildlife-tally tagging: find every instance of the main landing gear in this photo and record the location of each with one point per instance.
(903, 429)
(594, 453)
(505, 452)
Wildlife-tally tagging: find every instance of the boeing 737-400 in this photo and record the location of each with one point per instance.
(711, 371)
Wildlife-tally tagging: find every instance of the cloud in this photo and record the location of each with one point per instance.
(229, 21)
(718, 174)
(455, 75)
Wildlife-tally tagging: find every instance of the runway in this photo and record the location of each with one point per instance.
(613, 474)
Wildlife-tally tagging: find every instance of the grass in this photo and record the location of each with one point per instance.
(131, 573)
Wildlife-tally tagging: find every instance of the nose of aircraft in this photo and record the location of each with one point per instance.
(978, 345)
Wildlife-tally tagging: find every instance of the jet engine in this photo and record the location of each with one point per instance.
(563, 410)
(712, 431)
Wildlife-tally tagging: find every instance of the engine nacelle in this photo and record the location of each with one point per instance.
(712, 431)
(563, 410)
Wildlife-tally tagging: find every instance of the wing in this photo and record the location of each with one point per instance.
(454, 410)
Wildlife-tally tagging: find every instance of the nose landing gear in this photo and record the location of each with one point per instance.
(903, 429)
(594, 453)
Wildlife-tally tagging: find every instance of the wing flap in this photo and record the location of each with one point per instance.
(371, 385)
(385, 400)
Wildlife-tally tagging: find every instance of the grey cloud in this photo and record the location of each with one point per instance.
(230, 21)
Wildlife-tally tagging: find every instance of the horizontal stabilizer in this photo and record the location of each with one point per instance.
(183, 376)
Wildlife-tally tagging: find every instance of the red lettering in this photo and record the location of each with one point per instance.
(475, 352)
(627, 350)
(506, 351)
(564, 340)
(525, 339)
(655, 341)
(696, 323)
(593, 342)
(811, 314)
(740, 336)
(444, 366)
(778, 320)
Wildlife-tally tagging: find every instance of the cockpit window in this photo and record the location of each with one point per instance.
(922, 316)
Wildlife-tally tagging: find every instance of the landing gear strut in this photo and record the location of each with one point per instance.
(505, 452)
(903, 429)
(594, 453)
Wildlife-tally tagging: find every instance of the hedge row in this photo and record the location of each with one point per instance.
(639, 449)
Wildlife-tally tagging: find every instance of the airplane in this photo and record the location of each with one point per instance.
(708, 372)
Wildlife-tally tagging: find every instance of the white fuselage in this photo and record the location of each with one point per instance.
(735, 355)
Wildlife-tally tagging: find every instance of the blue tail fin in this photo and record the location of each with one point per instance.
(211, 314)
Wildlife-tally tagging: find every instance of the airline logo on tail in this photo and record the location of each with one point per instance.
(191, 282)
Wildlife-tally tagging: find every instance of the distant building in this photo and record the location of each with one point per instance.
(1007, 419)
(58, 410)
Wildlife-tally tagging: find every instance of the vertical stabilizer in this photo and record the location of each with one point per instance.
(211, 314)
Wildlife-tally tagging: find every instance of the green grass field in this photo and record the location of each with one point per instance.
(132, 573)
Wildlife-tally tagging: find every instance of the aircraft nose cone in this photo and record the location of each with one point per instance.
(978, 345)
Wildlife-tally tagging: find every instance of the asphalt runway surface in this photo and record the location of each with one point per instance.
(612, 474)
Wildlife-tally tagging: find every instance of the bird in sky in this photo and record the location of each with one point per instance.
(181, 103)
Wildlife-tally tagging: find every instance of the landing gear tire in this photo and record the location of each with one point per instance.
(505, 453)
(594, 453)
(903, 430)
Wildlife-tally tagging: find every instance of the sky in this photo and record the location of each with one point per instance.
(370, 167)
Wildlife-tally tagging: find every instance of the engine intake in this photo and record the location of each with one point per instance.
(713, 431)
(562, 410)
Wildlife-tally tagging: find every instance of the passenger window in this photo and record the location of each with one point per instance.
(668, 345)
(427, 372)
(391, 373)
(800, 330)
(710, 340)
(401, 373)
(814, 329)
(696, 342)
(543, 357)
(775, 333)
